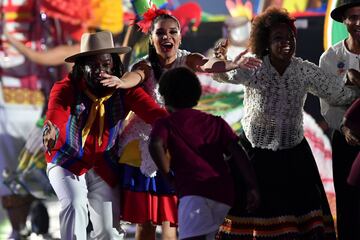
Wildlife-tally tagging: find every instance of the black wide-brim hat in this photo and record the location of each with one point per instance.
(97, 43)
(338, 13)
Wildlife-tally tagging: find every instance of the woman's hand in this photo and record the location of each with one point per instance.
(111, 81)
(220, 50)
(247, 62)
(350, 137)
(128, 80)
(49, 136)
(353, 77)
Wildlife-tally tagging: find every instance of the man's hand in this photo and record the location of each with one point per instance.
(349, 136)
(49, 136)
(353, 77)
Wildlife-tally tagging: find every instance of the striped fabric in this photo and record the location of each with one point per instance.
(72, 151)
(313, 225)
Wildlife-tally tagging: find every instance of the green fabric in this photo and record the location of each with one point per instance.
(221, 104)
(338, 33)
(40, 122)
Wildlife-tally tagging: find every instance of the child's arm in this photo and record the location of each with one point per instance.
(247, 172)
(157, 152)
(138, 74)
(161, 159)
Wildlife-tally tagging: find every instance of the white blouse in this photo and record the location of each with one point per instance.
(338, 60)
(273, 104)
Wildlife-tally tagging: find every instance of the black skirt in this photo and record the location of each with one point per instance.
(293, 200)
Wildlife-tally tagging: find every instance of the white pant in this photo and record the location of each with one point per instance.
(200, 216)
(80, 194)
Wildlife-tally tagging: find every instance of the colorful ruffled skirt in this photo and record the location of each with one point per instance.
(293, 200)
(145, 199)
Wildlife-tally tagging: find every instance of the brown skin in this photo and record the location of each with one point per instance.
(96, 68)
(352, 23)
(350, 137)
(353, 77)
(49, 136)
(282, 46)
(261, 27)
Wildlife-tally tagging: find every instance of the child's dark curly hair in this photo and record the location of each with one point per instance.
(180, 88)
(261, 25)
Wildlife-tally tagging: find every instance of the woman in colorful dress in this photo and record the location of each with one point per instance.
(147, 199)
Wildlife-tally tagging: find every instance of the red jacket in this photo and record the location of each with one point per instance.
(68, 110)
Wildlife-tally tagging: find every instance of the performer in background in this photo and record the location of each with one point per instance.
(342, 59)
(352, 121)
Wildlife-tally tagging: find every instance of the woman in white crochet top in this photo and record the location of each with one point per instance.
(294, 204)
(147, 199)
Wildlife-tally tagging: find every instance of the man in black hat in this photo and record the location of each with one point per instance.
(343, 59)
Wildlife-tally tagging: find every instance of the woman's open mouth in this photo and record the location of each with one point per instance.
(286, 50)
(167, 46)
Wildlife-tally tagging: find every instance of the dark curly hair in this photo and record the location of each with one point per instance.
(261, 26)
(180, 88)
(153, 58)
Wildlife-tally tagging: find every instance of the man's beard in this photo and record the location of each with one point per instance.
(98, 89)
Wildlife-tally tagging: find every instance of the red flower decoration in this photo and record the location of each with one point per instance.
(149, 16)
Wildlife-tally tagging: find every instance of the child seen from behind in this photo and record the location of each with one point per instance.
(197, 143)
